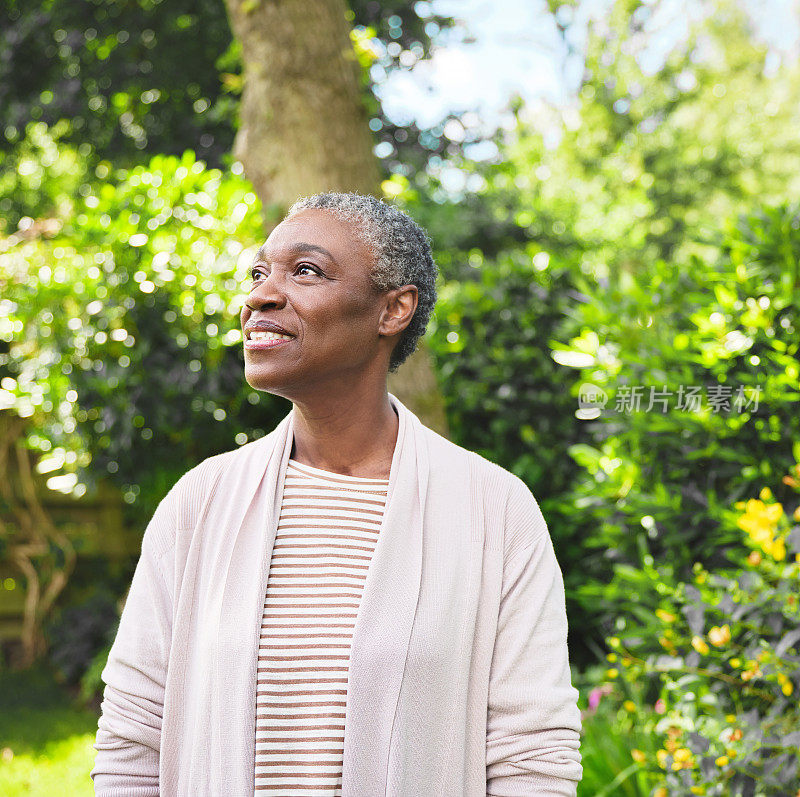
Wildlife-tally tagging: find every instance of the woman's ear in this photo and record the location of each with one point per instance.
(399, 309)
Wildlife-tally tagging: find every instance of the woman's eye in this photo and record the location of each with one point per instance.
(259, 274)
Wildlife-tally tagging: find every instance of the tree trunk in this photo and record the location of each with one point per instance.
(303, 129)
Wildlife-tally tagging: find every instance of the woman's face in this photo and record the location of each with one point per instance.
(311, 278)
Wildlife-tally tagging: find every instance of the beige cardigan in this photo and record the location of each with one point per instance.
(459, 682)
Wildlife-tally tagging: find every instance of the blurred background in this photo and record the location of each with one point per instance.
(611, 190)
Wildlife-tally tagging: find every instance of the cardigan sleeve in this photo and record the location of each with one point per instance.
(533, 722)
(129, 729)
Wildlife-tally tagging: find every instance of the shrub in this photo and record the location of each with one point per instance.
(78, 632)
(91, 684)
(658, 478)
(618, 734)
(115, 281)
(723, 651)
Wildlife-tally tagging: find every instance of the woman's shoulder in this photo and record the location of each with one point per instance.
(487, 473)
(197, 485)
(502, 493)
(484, 474)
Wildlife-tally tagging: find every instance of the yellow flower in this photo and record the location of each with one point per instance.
(613, 642)
(612, 673)
(730, 718)
(697, 789)
(638, 755)
(611, 656)
(796, 514)
(722, 761)
(661, 792)
(629, 705)
(661, 757)
(730, 752)
(765, 494)
(720, 636)
(699, 644)
(760, 519)
(787, 688)
(751, 672)
(683, 754)
(754, 558)
(775, 548)
(736, 663)
(665, 616)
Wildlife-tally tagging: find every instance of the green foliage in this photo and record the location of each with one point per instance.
(626, 194)
(132, 77)
(723, 651)
(617, 735)
(77, 632)
(38, 178)
(91, 682)
(662, 471)
(149, 77)
(486, 335)
(120, 323)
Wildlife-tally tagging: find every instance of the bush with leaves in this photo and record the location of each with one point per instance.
(616, 719)
(629, 197)
(723, 654)
(77, 632)
(700, 366)
(119, 330)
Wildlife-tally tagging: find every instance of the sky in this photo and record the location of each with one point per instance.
(512, 46)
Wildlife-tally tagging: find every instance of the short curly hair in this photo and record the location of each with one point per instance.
(402, 254)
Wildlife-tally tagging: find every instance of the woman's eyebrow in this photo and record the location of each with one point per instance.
(299, 248)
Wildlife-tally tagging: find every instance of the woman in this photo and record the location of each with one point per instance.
(351, 605)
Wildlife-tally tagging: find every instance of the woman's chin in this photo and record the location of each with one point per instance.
(261, 379)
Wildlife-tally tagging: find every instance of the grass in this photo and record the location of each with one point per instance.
(45, 741)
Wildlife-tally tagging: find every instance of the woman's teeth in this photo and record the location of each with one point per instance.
(258, 334)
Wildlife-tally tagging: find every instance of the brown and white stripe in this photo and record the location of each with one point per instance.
(327, 532)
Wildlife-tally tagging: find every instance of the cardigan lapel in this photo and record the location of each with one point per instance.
(245, 519)
(382, 630)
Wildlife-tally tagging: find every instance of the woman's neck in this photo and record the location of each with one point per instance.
(354, 437)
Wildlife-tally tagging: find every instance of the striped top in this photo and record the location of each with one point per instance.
(326, 535)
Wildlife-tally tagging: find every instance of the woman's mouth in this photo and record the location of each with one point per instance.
(261, 339)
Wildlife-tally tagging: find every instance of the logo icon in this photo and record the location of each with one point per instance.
(591, 401)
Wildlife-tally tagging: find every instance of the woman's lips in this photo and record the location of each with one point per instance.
(265, 343)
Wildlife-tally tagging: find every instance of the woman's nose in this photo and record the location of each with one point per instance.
(266, 294)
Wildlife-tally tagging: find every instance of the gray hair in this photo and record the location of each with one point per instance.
(402, 254)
